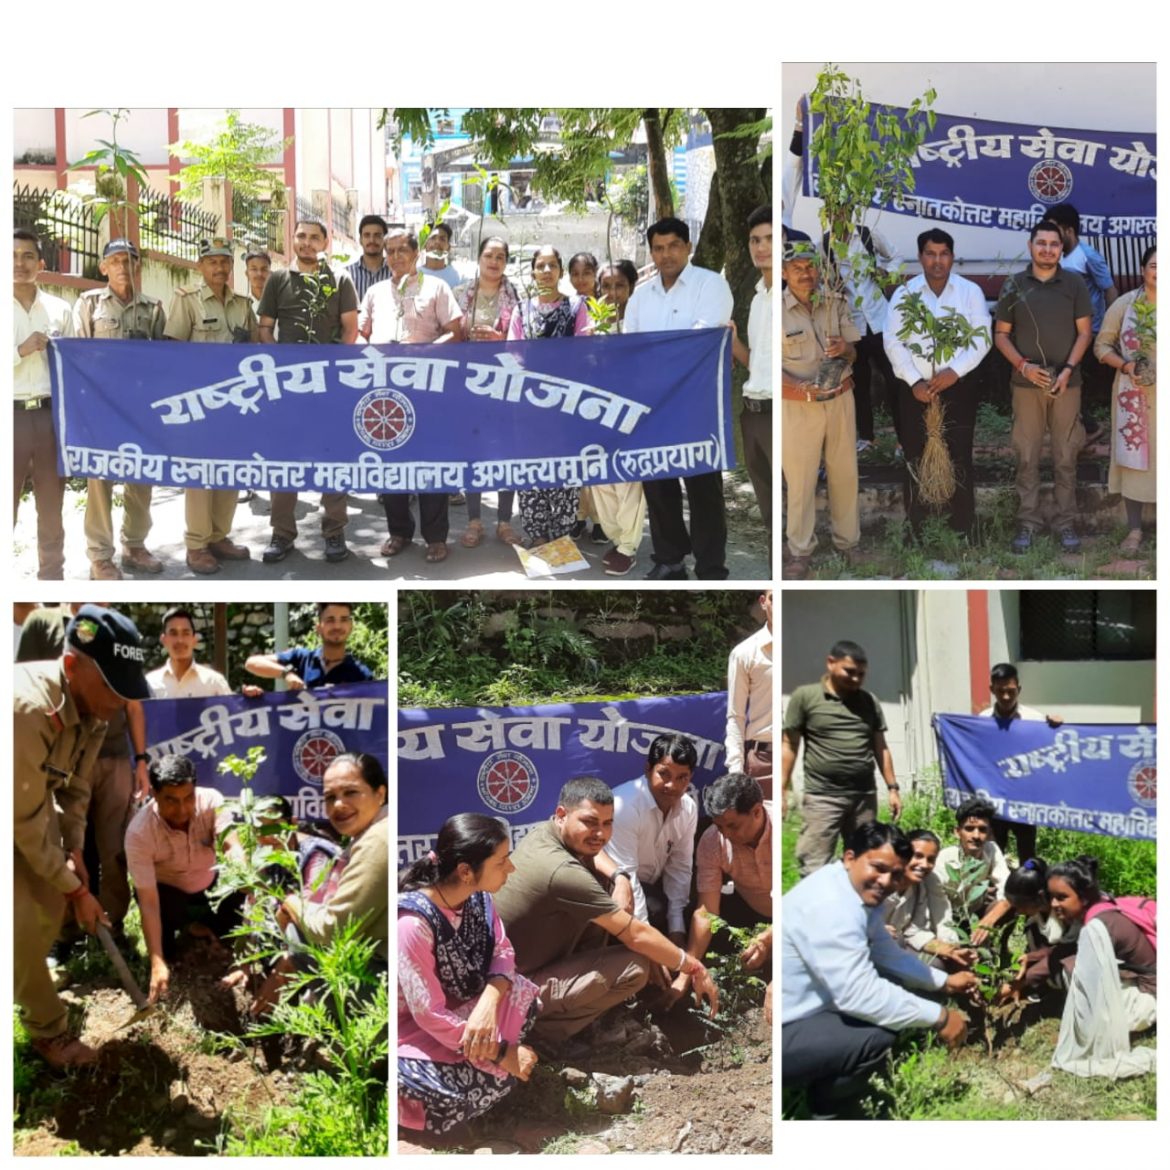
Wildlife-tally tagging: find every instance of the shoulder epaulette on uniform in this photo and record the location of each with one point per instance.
(184, 292)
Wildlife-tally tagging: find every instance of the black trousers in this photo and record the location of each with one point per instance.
(871, 351)
(959, 433)
(432, 515)
(826, 1048)
(178, 909)
(707, 538)
(756, 427)
(1025, 838)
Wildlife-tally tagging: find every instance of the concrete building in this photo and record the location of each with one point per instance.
(1085, 655)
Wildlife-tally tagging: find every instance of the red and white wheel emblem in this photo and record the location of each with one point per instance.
(383, 419)
(1050, 181)
(507, 782)
(1143, 783)
(313, 754)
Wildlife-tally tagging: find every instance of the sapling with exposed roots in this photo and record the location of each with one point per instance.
(936, 339)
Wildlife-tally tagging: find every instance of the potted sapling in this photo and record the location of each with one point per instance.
(936, 340)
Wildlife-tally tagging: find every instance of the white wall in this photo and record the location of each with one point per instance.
(1088, 96)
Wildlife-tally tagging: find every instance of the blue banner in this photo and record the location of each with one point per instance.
(1092, 777)
(512, 761)
(560, 412)
(300, 731)
(1007, 175)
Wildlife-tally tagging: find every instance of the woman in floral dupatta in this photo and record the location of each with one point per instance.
(1133, 444)
(463, 1009)
(548, 513)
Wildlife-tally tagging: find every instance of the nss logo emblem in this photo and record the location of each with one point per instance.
(314, 752)
(383, 419)
(507, 782)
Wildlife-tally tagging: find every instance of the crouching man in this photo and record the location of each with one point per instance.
(843, 1002)
(170, 852)
(560, 913)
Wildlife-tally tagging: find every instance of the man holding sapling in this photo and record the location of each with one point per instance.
(927, 373)
(1044, 326)
(818, 414)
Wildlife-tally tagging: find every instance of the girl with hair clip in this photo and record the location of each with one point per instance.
(463, 1009)
(1113, 988)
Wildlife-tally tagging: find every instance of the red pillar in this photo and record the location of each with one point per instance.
(59, 147)
(979, 647)
(174, 163)
(290, 176)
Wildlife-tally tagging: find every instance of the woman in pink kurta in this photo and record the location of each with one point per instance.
(463, 1009)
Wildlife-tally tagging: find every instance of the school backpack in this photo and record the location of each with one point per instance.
(1142, 912)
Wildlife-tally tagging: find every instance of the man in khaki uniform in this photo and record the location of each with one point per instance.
(118, 311)
(213, 313)
(60, 708)
(816, 420)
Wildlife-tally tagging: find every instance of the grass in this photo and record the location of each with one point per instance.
(923, 1081)
(455, 650)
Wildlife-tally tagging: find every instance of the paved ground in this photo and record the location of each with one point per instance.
(492, 563)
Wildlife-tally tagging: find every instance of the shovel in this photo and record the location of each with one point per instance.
(141, 1001)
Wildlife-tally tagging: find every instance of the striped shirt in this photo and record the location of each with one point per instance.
(363, 279)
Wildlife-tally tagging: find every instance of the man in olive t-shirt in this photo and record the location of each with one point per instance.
(559, 914)
(843, 730)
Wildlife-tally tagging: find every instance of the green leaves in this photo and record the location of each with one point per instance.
(944, 336)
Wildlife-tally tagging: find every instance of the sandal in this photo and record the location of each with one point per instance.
(506, 533)
(1132, 542)
(472, 535)
(436, 552)
(393, 545)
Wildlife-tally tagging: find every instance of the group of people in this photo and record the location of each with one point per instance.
(82, 770)
(391, 295)
(875, 944)
(1059, 323)
(875, 940)
(505, 956)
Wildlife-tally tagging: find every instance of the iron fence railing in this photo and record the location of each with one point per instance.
(167, 225)
(67, 228)
(257, 224)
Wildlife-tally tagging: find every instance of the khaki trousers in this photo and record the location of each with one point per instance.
(38, 912)
(99, 521)
(621, 511)
(808, 428)
(826, 817)
(757, 763)
(576, 990)
(111, 793)
(284, 521)
(1033, 413)
(210, 512)
(34, 453)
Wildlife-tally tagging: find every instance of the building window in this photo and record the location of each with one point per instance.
(1083, 625)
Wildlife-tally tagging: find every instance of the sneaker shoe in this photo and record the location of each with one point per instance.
(617, 564)
(864, 445)
(1022, 542)
(277, 549)
(140, 560)
(1069, 541)
(578, 529)
(62, 1052)
(599, 536)
(662, 572)
(104, 571)
(335, 549)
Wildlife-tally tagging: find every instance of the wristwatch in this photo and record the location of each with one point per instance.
(140, 756)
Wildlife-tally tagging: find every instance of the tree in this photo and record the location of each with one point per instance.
(236, 155)
(587, 136)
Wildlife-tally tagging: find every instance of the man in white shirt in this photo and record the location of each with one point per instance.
(682, 296)
(36, 317)
(1005, 690)
(842, 994)
(181, 677)
(749, 704)
(919, 384)
(653, 842)
(755, 422)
